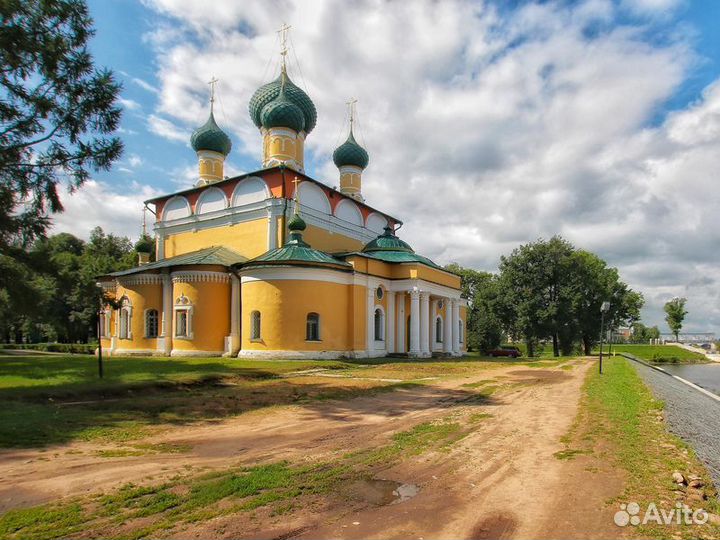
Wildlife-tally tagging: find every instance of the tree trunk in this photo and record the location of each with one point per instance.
(530, 348)
(556, 345)
(587, 345)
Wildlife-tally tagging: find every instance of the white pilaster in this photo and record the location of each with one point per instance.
(414, 323)
(164, 342)
(232, 342)
(272, 229)
(456, 326)
(447, 334)
(425, 324)
(401, 335)
(160, 251)
(390, 338)
(433, 316)
(370, 321)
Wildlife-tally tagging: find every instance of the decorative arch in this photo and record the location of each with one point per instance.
(379, 323)
(176, 208)
(211, 200)
(376, 222)
(349, 211)
(311, 196)
(250, 190)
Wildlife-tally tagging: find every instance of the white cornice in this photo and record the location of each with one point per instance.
(140, 279)
(191, 276)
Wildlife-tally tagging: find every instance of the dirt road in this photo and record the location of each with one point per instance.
(501, 481)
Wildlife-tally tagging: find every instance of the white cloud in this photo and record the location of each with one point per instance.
(97, 203)
(129, 104)
(134, 160)
(485, 129)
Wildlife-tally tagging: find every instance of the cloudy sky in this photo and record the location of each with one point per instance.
(489, 124)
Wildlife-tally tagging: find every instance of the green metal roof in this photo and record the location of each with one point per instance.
(387, 241)
(210, 137)
(216, 255)
(400, 257)
(268, 92)
(351, 153)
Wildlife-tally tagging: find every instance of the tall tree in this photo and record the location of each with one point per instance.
(57, 111)
(675, 315)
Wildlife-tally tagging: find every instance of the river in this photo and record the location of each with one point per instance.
(706, 376)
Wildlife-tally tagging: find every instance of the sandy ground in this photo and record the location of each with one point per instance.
(502, 481)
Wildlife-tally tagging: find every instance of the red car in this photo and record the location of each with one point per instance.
(512, 352)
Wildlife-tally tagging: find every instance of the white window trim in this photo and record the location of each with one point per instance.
(382, 325)
(126, 307)
(106, 316)
(189, 335)
(145, 321)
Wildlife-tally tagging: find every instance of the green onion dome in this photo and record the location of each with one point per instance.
(270, 91)
(281, 112)
(296, 223)
(211, 137)
(387, 241)
(144, 245)
(350, 153)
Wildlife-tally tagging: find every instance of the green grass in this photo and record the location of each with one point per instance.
(620, 421)
(662, 353)
(58, 399)
(140, 511)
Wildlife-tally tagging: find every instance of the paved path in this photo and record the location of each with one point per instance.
(690, 414)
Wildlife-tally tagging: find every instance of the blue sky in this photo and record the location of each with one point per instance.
(488, 124)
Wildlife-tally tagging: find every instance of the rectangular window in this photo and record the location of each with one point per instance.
(151, 323)
(124, 323)
(255, 325)
(181, 323)
(312, 330)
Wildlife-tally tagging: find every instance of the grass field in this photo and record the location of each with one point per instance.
(54, 399)
(621, 421)
(662, 353)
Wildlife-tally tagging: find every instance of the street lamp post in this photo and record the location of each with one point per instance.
(604, 308)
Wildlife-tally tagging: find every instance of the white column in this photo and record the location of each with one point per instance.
(370, 321)
(164, 343)
(425, 324)
(390, 338)
(447, 334)
(433, 316)
(402, 340)
(414, 323)
(272, 229)
(160, 251)
(456, 326)
(232, 342)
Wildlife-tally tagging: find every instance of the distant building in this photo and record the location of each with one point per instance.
(690, 337)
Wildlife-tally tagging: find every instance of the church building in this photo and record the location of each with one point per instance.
(276, 264)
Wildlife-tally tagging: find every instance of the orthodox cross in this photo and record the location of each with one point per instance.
(212, 84)
(284, 29)
(351, 110)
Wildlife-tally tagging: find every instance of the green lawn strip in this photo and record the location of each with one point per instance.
(620, 421)
(662, 354)
(193, 499)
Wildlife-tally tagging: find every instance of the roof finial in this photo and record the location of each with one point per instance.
(212, 84)
(284, 29)
(296, 197)
(351, 111)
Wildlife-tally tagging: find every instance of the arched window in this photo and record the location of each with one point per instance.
(255, 325)
(312, 329)
(438, 330)
(105, 323)
(379, 325)
(461, 331)
(151, 323)
(125, 320)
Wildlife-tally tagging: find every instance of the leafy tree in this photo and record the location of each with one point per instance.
(57, 111)
(675, 315)
(484, 330)
(643, 334)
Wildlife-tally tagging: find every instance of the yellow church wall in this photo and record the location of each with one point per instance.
(248, 239)
(284, 306)
(141, 297)
(210, 316)
(357, 314)
(330, 242)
